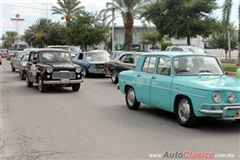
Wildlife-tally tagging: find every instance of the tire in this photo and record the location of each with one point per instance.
(185, 113)
(13, 69)
(41, 87)
(21, 74)
(131, 99)
(76, 87)
(114, 77)
(29, 84)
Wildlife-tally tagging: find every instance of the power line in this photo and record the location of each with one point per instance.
(23, 6)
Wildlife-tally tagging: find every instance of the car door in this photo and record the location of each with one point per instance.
(126, 62)
(161, 84)
(33, 67)
(13, 59)
(144, 78)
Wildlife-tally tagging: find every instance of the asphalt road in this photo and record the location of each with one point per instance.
(95, 123)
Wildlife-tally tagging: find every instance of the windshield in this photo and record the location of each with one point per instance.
(98, 56)
(196, 65)
(25, 57)
(55, 56)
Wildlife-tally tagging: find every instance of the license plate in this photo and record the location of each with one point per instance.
(65, 80)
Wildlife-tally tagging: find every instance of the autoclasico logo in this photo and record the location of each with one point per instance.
(190, 155)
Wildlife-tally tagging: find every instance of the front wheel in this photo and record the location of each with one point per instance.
(29, 84)
(114, 77)
(185, 113)
(131, 99)
(41, 87)
(76, 87)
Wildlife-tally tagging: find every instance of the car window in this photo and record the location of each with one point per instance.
(31, 56)
(149, 64)
(128, 58)
(80, 56)
(176, 49)
(164, 66)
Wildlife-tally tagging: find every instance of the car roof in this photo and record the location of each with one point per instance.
(173, 53)
(48, 49)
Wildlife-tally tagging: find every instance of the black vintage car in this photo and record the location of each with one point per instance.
(126, 61)
(52, 67)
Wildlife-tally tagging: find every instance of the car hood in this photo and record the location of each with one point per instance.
(209, 82)
(61, 65)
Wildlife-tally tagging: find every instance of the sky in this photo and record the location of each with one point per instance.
(31, 10)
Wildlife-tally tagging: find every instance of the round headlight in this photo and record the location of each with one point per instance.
(78, 69)
(232, 97)
(49, 69)
(217, 97)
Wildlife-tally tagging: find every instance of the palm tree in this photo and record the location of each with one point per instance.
(227, 8)
(37, 33)
(68, 8)
(129, 10)
(8, 38)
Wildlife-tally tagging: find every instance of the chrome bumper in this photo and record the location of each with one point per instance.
(59, 81)
(222, 113)
(96, 71)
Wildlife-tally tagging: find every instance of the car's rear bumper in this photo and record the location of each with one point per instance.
(75, 81)
(223, 111)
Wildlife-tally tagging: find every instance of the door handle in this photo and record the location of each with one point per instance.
(153, 77)
(138, 75)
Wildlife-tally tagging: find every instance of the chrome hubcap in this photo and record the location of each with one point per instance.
(184, 110)
(113, 77)
(131, 96)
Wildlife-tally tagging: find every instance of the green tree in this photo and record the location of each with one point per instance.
(56, 35)
(151, 37)
(129, 10)
(86, 30)
(8, 39)
(36, 34)
(219, 38)
(182, 18)
(68, 8)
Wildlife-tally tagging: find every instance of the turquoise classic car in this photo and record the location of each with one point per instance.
(188, 84)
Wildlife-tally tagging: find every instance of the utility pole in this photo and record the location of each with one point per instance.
(47, 4)
(229, 45)
(113, 25)
(238, 35)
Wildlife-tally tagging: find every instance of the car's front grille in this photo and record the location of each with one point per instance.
(63, 75)
(99, 66)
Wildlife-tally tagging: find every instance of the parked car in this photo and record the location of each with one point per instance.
(16, 59)
(126, 61)
(74, 50)
(0, 60)
(187, 84)
(92, 62)
(52, 67)
(115, 54)
(22, 67)
(186, 48)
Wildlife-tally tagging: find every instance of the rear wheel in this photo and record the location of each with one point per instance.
(13, 69)
(29, 84)
(41, 87)
(131, 99)
(185, 113)
(114, 77)
(76, 87)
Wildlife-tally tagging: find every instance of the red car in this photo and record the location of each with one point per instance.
(0, 59)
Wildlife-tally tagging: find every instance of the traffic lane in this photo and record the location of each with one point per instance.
(95, 123)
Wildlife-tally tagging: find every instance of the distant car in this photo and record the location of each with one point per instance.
(16, 59)
(52, 67)
(10, 53)
(22, 66)
(0, 60)
(74, 50)
(188, 84)
(92, 62)
(186, 48)
(127, 61)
